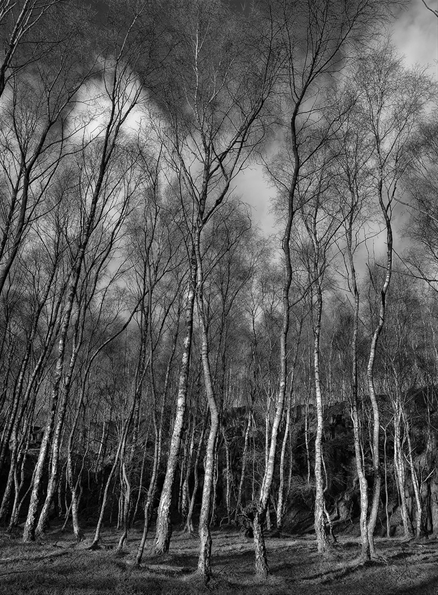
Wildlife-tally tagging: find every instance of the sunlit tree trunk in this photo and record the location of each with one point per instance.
(158, 431)
(163, 529)
(204, 560)
(419, 529)
(354, 400)
(377, 478)
(400, 470)
(321, 536)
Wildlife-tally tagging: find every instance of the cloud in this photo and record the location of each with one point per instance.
(415, 34)
(255, 191)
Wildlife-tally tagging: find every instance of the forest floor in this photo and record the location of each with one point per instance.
(58, 566)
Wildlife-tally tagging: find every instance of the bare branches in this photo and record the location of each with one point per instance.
(432, 10)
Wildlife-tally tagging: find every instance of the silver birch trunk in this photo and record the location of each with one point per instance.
(188, 470)
(281, 486)
(152, 487)
(415, 484)
(228, 476)
(243, 468)
(321, 537)
(372, 519)
(57, 436)
(163, 530)
(400, 473)
(354, 403)
(204, 559)
(189, 528)
(119, 454)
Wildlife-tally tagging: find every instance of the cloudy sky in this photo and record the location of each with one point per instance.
(415, 34)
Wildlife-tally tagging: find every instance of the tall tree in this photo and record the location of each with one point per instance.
(224, 89)
(37, 126)
(326, 34)
(96, 191)
(390, 105)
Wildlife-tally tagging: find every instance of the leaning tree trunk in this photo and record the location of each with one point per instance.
(19, 481)
(283, 492)
(72, 483)
(372, 518)
(163, 531)
(354, 404)
(261, 560)
(118, 458)
(204, 559)
(152, 487)
(56, 442)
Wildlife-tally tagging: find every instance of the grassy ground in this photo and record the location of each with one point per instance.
(57, 566)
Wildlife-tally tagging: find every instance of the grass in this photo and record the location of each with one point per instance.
(58, 567)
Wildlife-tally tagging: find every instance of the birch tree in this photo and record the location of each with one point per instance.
(97, 194)
(390, 105)
(224, 93)
(327, 32)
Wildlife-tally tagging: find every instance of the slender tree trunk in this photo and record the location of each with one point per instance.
(354, 403)
(228, 475)
(163, 531)
(117, 459)
(125, 501)
(189, 521)
(261, 561)
(19, 479)
(10, 482)
(74, 485)
(204, 559)
(152, 486)
(419, 530)
(281, 486)
(321, 536)
(399, 466)
(187, 474)
(372, 518)
(56, 445)
(30, 526)
(307, 442)
(434, 504)
(243, 467)
(385, 467)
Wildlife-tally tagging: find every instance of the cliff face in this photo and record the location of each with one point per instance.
(418, 440)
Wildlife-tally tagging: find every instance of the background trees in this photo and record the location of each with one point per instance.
(158, 355)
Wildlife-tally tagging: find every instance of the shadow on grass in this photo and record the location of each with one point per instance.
(98, 577)
(429, 587)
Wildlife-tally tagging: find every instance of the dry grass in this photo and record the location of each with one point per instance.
(57, 566)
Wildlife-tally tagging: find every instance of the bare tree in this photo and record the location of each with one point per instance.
(97, 191)
(224, 92)
(24, 25)
(37, 131)
(389, 106)
(432, 10)
(327, 32)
